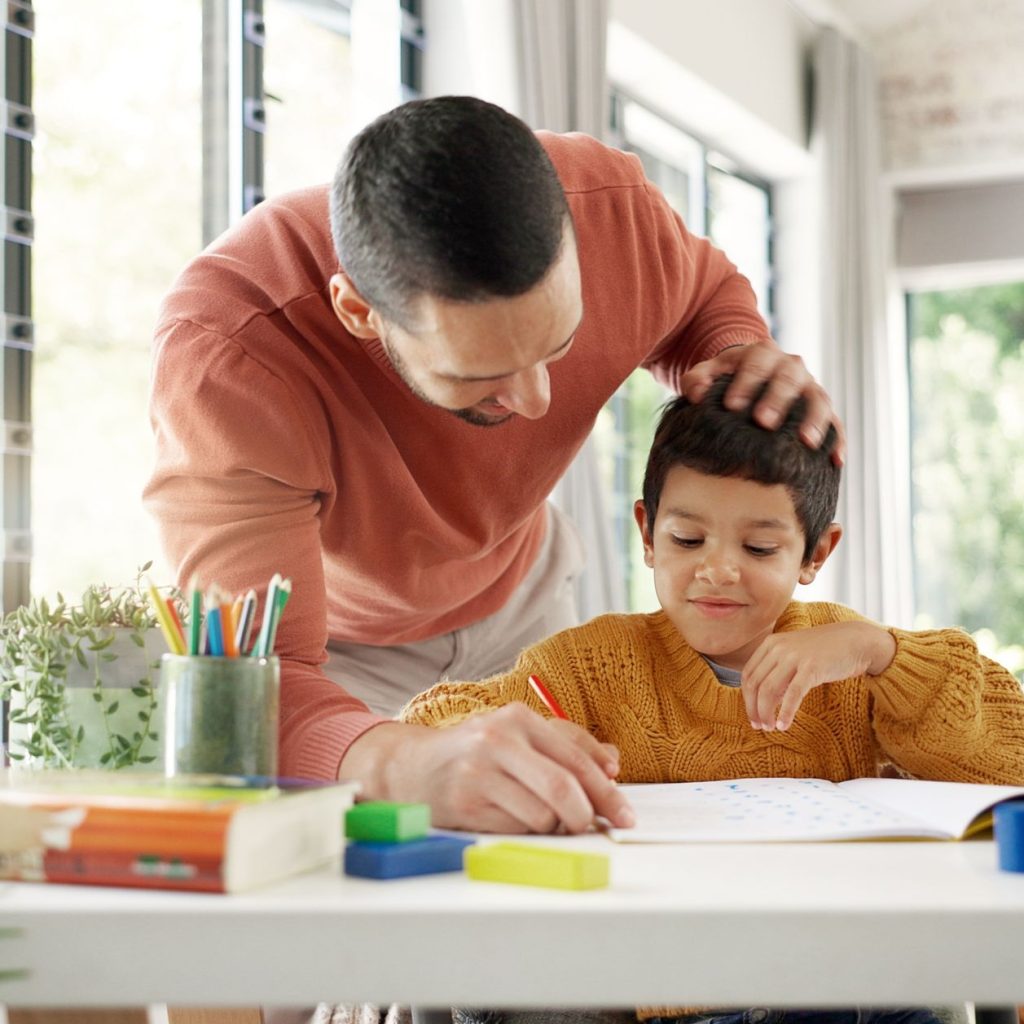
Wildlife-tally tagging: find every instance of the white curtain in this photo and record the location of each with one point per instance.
(561, 48)
(864, 368)
(562, 87)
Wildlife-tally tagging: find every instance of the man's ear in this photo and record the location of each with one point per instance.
(640, 515)
(826, 545)
(351, 308)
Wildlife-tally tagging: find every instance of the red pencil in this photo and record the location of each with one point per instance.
(545, 695)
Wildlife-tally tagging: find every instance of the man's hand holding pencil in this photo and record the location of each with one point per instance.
(509, 770)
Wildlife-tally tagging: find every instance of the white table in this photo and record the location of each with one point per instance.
(814, 924)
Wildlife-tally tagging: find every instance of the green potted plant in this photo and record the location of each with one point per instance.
(81, 680)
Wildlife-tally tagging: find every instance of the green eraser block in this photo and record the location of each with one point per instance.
(381, 821)
(525, 864)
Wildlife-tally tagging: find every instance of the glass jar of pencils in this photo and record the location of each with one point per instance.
(220, 714)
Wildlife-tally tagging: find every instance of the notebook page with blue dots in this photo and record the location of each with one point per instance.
(807, 810)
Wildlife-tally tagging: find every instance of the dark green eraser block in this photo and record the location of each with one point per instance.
(525, 864)
(381, 821)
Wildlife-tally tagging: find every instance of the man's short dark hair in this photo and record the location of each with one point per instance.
(708, 437)
(452, 197)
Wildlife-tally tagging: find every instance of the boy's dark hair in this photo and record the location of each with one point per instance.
(450, 196)
(708, 437)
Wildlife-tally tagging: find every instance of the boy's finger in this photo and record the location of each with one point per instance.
(749, 685)
(791, 701)
(770, 695)
(756, 660)
(754, 686)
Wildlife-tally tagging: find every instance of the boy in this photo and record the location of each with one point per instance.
(731, 678)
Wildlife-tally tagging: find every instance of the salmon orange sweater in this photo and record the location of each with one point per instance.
(939, 711)
(286, 445)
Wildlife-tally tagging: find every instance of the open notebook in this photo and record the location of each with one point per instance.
(805, 810)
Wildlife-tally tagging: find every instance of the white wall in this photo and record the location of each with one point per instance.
(739, 72)
(471, 50)
(743, 89)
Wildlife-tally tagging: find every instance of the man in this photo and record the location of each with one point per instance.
(382, 417)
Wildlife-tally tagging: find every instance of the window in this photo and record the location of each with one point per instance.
(967, 447)
(117, 209)
(119, 198)
(734, 211)
(739, 222)
(309, 114)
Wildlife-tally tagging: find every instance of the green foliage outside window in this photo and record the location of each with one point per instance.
(967, 386)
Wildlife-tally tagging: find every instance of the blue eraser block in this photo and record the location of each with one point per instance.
(1009, 826)
(430, 855)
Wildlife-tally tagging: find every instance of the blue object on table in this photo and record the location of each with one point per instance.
(430, 855)
(1009, 824)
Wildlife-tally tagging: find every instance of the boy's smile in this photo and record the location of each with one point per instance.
(727, 554)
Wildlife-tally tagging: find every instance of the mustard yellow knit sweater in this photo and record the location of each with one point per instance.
(940, 711)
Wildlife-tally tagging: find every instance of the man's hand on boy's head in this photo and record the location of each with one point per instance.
(752, 365)
(786, 666)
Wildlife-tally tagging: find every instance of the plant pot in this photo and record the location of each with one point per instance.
(123, 705)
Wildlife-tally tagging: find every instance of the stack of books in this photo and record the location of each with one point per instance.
(202, 833)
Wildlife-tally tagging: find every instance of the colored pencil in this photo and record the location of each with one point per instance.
(195, 623)
(269, 607)
(213, 623)
(546, 697)
(172, 635)
(283, 593)
(246, 618)
(227, 626)
(172, 611)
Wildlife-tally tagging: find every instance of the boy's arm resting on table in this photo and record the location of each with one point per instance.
(449, 703)
(944, 711)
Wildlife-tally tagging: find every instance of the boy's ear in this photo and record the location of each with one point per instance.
(351, 308)
(640, 515)
(826, 545)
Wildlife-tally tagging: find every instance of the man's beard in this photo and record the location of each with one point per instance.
(469, 415)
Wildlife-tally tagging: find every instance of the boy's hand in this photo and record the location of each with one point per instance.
(786, 666)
